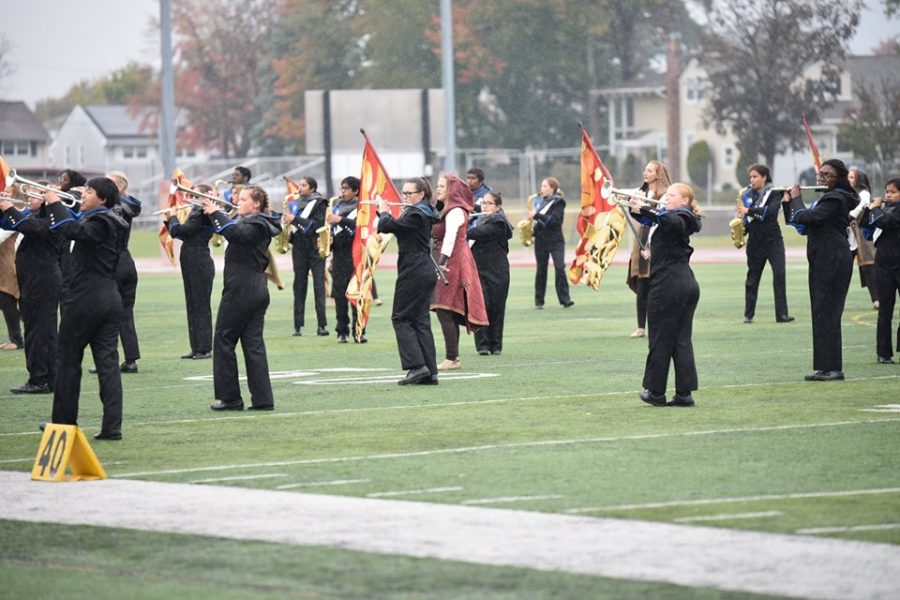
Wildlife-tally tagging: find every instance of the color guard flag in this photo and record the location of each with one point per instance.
(817, 158)
(374, 185)
(601, 222)
(4, 173)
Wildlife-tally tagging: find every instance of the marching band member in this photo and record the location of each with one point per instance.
(342, 221)
(92, 307)
(239, 178)
(764, 242)
(40, 285)
(245, 298)
(549, 211)
(67, 180)
(307, 213)
(9, 290)
(863, 251)
(490, 233)
(128, 208)
(830, 265)
(475, 180)
(656, 182)
(197, 273)
(460, 301)
(674, 294)
(884, 217)
(415, 281)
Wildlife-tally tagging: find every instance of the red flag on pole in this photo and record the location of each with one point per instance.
(817, 158)
(374, 184)
(601, 222)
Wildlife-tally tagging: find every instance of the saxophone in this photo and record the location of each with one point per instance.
(324, 241)
(283, 239)
(525, 227)
(738, 233)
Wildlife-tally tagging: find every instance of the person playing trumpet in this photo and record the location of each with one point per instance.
(765, 243)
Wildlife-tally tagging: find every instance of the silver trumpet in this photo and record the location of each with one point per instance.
(177, 187)
(620, 196)
(68, 199)
(14, 201)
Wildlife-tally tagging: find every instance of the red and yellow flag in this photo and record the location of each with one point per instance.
(4, 173)
(176, 198)
(601, 222)
(374, 184)
(817, 158)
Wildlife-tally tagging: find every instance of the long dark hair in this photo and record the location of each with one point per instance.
(862, 180)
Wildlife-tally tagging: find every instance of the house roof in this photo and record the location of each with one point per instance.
(118, 121)
(868, 71)
(18, 123)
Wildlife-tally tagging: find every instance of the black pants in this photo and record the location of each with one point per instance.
(674, 295)
(412, 328)
(759, 252)
(887, 282)
(490, 338)
(241, 318)
(198, 273)
(543, 251)
(90, 320)
(642, 291)
(829, 281)
(306, 260)
(10, 307)
(127, 280)
(341, 273)
(40, 303)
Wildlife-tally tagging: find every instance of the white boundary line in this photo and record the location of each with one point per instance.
(510, 499)
(486, 447)
(820, 530)
(291, 486)
(393, 493)
(239, 478)
(731, 516)
(705, 501)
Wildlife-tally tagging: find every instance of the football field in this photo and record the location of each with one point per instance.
(550, 434)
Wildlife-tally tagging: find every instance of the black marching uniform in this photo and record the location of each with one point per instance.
(40, 286)
(127, 279)
(886, 223)
(490, 233)
(673, 298)
(242, 310)
(342, 264)
(549, 243)
(197, 273)
(309, 215)
(765, 243)
(91, 312)
(830, 267)
(410, 315)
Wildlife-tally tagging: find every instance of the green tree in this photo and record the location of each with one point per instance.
(746, 159)
(698, 160)
(872, 129)
(758, 54)
(132, 84)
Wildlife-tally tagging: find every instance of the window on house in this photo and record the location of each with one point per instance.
(22, 148)
(34, 148)
(695, 89)
(128, 152)
(729, 157)
(9, 147)
(141, 152)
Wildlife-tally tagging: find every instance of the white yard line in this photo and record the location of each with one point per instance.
(700, 557)
(705, 501)
(291, 486)
(510, 499)
(491, 447)
(239, 478)
(818, 530)
(731, 516)
(391, 494)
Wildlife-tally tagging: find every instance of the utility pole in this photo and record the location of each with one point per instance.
(167, 119)
(448, 82)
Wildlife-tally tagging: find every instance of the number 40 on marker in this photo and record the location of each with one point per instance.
(62, 447)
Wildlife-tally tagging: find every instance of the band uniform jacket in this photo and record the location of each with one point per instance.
(765, 243)
(490, 234)
(40, 286)
(309, 215)
(128, 208)
(242, 310)
(548, 221)
(342, 261)
(884, 222)
(198, 273)
(91, 311)
(830, 268)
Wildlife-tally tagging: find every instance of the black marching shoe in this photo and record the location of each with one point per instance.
(568, 303)
(128, 367)
(298, 331)
(654, 399)
(202, 355)
(497, 352)
(219, 405)
(189, 356)
(484, 352)
(261, 407)
(826, 376)
(415, 376)
(682, 400)
(108, 435)
(35, 388)
(323, 331)
(748, 319)
(433, 380)
(784, 319)
(342, 338)
(882, 360)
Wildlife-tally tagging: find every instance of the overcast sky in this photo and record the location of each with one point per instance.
(57, 43)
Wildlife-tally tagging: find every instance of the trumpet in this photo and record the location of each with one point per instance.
(171, 209)
(608, 190)
(69, 200)
(14, 201)
(814, 188)
(177, 187)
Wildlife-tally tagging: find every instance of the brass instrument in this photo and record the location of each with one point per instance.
(178, 187)
(283, 239)
(525, 227)
(218, 239)
(608, 190)
(738, 232)
(814, 188)
(324, 241)
(70, 199)
(13, 200)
